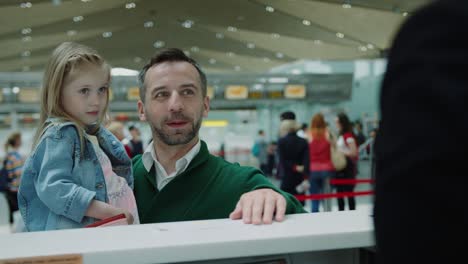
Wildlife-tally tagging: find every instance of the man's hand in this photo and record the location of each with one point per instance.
(257, 207)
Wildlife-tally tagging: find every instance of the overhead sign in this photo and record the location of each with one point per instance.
(295, 91)
(133, 94)
(28, 95)
(210, 92)
(236, 92)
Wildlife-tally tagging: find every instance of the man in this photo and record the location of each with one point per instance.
(421, 178)
(293, 152)
(176, 179)
(135, 143)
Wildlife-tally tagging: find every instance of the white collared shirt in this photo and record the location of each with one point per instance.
(149, 158)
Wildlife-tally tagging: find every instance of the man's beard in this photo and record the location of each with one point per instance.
(180, 137)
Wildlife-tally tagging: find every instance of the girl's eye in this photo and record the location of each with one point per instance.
(103, 89)
(84, 91)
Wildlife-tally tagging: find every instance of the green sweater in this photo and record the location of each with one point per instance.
(209, 188)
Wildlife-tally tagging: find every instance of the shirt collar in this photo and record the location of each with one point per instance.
(149, 157)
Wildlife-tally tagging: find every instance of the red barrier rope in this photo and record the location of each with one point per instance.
(349, 181)
(332, 195)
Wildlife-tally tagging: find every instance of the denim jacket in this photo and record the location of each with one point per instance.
(59, 181)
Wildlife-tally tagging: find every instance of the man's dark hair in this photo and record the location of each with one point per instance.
(130, 128)
(169, 55)
(288, 115)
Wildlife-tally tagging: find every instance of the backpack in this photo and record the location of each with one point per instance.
(3, 178)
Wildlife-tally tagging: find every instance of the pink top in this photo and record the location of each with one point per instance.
(320, 156)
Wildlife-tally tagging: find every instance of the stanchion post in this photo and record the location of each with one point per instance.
(327, 189)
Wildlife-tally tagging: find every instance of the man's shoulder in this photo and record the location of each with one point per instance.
(229, 168)
(137, 165)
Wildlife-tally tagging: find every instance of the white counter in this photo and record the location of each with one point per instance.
(197, 240)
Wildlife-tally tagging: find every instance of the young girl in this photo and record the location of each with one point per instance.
(78, 172)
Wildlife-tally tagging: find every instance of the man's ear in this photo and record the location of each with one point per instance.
(141, 111)
(206, 106)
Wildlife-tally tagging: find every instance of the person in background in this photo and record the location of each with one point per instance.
(360, 137)
(293, 153)
(135, 143)
(77, 171)
(260, 150)
(421, 182)
(117, 128)
(321, 166)
(176, 178)
(302, 132)
(347, 144)
(13, 163)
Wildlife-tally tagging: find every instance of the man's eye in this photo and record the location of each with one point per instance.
(188, 92)
(161, 95)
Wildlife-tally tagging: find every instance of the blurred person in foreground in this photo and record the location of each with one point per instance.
(176, 178)
(421, 180)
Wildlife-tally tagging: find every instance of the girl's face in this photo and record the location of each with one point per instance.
(338, 124)
(84, 95)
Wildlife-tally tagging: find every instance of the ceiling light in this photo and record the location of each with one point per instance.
(26, 38)
(278, 80)
(26, 5)
(296, 71)
(232, 29)
(363, 48)
(237, 68)
(317, 42)
(370, 46)
(148, 24)
(26, 53)
(275, 35)
(187, 24)
(71, 33)
(219, 35)
(306, 22)
(26, 31)
(86, 1)
(269, 9)
(16, 89)
(346, 6)
(279, 55)
(212, 61)
(130, 5)
(250, 45)
(405, 14)
(195, 49)
(159, 44)
(340, 35)
(78, 18)
(107, 34)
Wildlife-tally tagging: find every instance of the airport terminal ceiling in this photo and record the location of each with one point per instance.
(245, 36)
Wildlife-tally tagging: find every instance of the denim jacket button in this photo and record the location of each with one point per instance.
(99, 185)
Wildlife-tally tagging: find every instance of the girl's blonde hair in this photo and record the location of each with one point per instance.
(66, 61)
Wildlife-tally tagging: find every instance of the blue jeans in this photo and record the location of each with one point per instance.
(317, 182)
